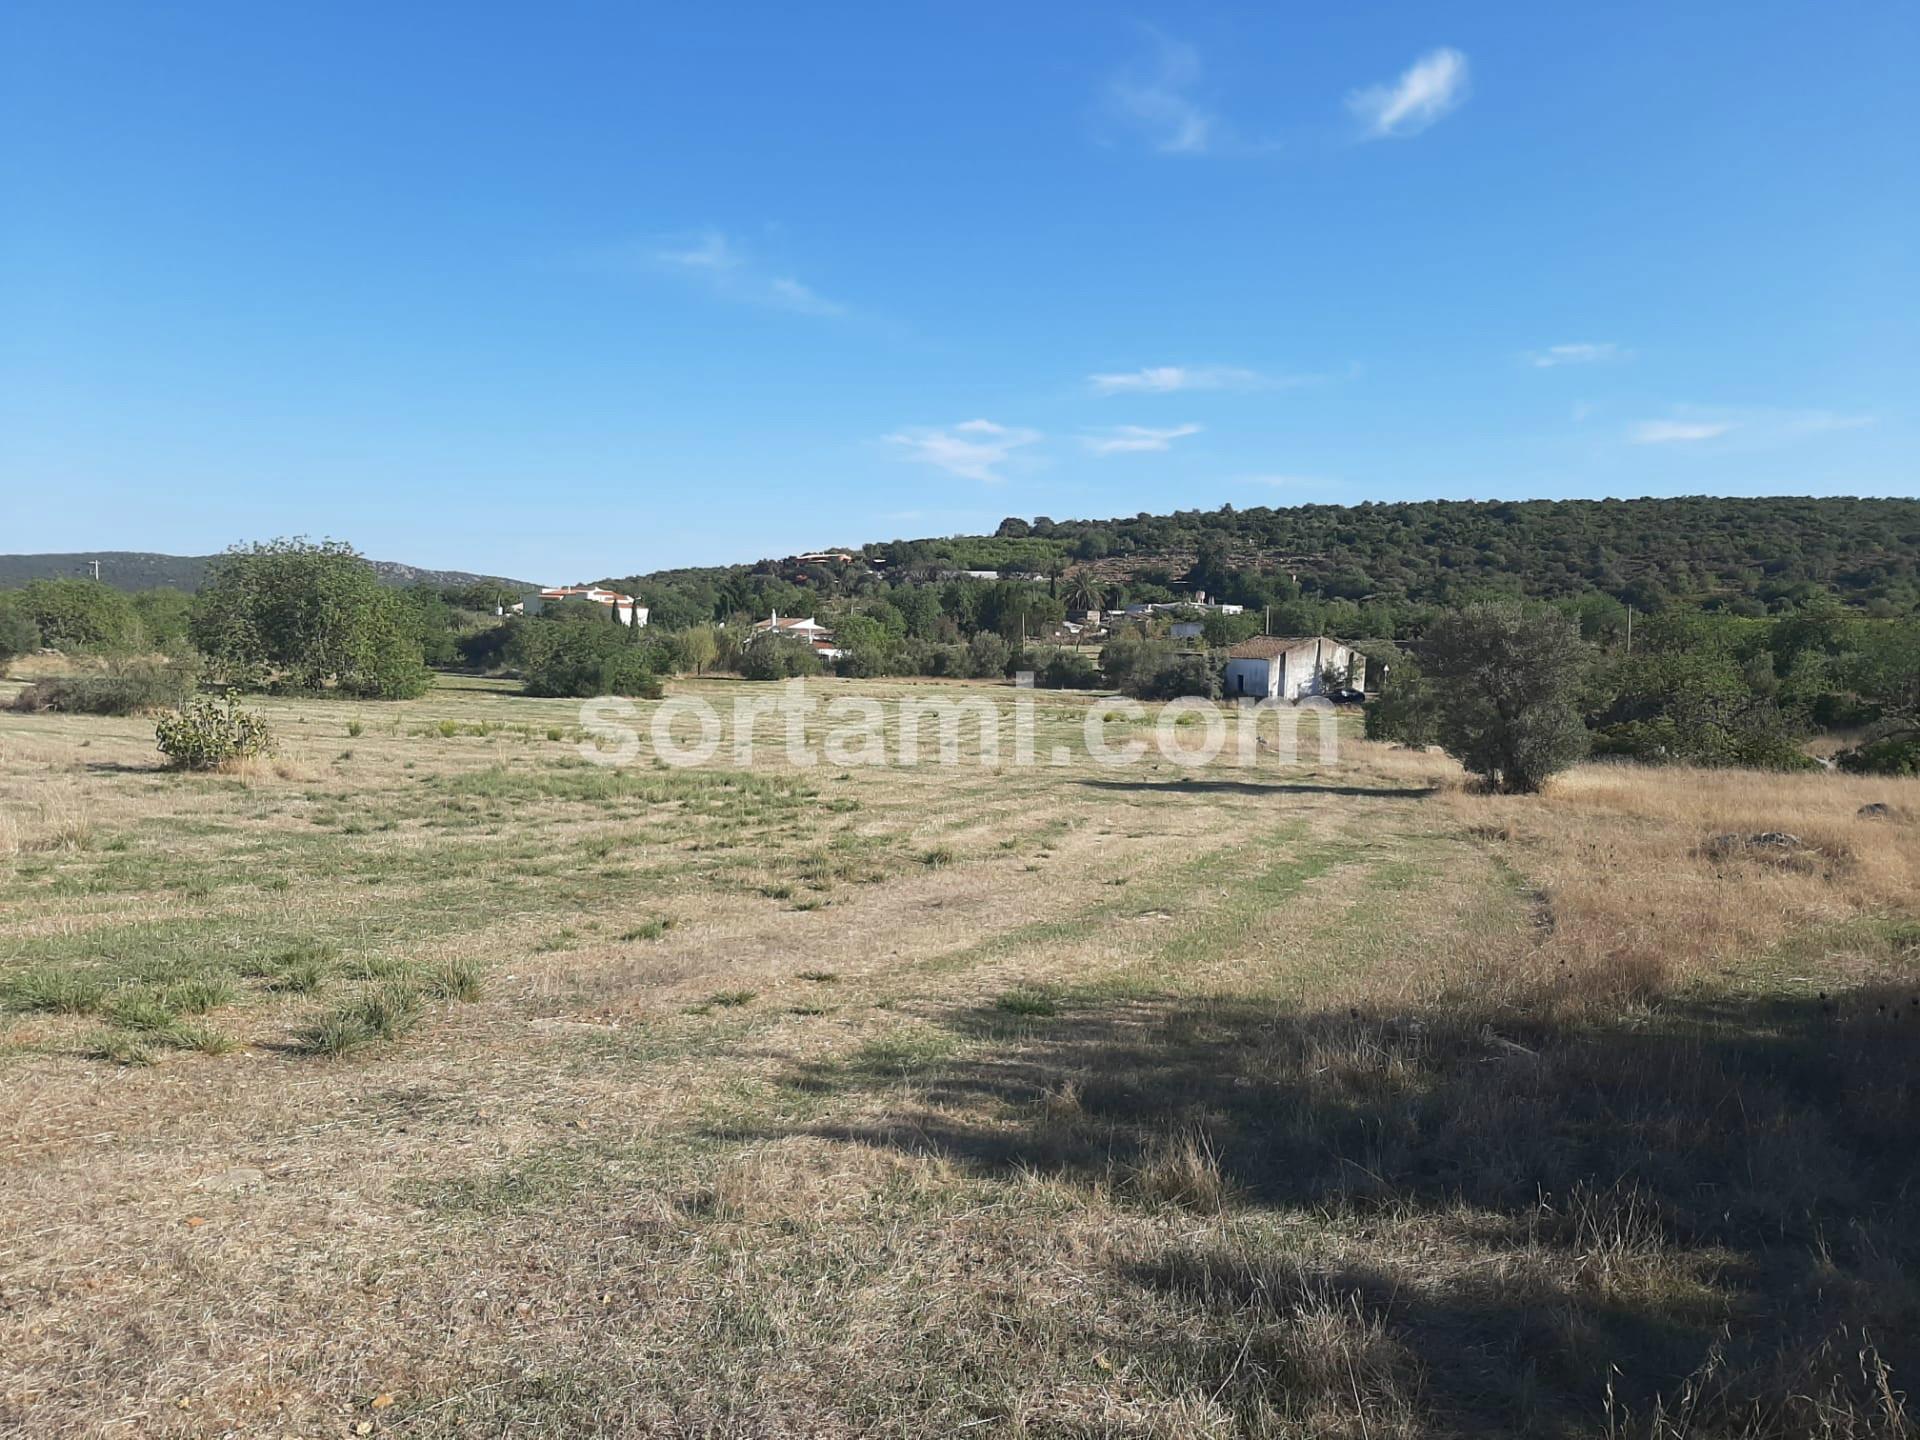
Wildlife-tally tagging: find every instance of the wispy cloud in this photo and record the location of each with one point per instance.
(1583, 353)
(1756, 427)
(1154, 98)
(972, 450)
(719, 263)
(1167, 379)
(1432, 86)
(1288, 482)
(1132, 439)
(1819, 422)
(1678, 432)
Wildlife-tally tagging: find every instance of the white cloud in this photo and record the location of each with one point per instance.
(1132, 439)
(1583, 353)
(1818, 422)
(1433, 85)
(1154, 100)
(973, 449)
(732, 274)
(1166, 379)
(1678, 432)
(1288, 482)
(1758, 427)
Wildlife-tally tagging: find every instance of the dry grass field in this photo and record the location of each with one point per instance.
(429, 1080)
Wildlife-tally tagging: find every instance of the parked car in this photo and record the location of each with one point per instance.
(1347, 697)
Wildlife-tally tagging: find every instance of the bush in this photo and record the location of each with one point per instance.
(18, 634)
(1181, 676)
(129, 689)
(569, 656)
(206, 733)
(627, 672)
(988, 656)
(79, 615)
(1068, 670)
(303, 617)
(779, 657)
(1894, 752)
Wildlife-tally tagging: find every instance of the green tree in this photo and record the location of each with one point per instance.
(164, 614)
(779, 657)
(80, 615)
(301, 616)
(699, 648)
(18, 634)
(571, 650)
(1505, 688)
(1084, 591)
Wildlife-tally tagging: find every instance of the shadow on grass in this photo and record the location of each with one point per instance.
(1188, 786)
(1707, 1212)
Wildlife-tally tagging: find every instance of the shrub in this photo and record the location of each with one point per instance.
(18, 633)
(78, 615)
(205, 733)
(779, 657)
(1896, 752)
(1068, 670)
(626, 672)
(130, 688)
(988, 656)
(305, 616)
(571, 654)
(1183, 675)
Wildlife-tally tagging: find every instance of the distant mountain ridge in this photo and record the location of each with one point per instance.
(144, 570)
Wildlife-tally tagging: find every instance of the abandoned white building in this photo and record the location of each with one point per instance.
(1282, 667)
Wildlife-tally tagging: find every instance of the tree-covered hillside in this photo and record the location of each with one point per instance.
(1748, 554)
(147, 570)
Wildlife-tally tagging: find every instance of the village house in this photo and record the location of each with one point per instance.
(1283, 667)
(623, 606)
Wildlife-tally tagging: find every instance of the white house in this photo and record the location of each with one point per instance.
(1283, 667)
(623, 606)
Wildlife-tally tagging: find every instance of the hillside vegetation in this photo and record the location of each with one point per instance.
(1746, 555)
(146, 570)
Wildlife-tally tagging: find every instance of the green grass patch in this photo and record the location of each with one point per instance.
(1026, 1001)
(385, 1011)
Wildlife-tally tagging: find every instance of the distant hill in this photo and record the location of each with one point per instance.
(1381, 564)
(144, 570)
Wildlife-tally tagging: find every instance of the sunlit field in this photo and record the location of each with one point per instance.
(429, 1079)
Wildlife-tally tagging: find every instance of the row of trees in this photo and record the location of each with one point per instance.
(1517, 694)
(284, 615)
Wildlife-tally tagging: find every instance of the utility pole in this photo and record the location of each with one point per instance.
(94, 566)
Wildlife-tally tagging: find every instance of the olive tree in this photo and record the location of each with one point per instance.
(1503, 689)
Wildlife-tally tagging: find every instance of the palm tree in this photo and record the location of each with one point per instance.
(1084, 591)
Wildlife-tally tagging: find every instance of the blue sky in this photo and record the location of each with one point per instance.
(565, 290)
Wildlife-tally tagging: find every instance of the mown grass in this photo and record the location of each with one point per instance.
(1338, 1103)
